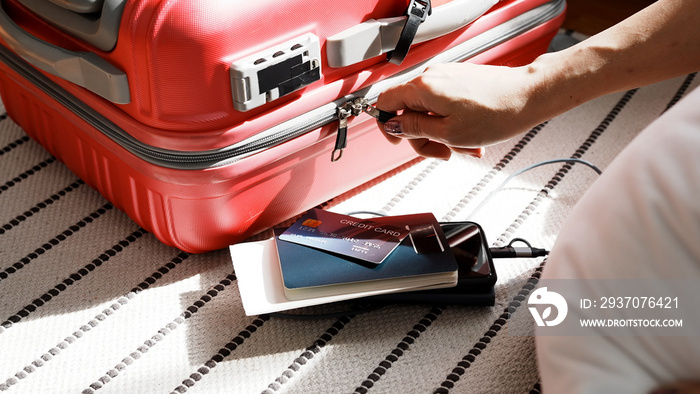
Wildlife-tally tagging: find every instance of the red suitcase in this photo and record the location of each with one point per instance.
(208, 121)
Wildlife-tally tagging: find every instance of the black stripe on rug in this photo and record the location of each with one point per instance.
(71, 279)
(12, 145)
(607, 121)
(220, 355)
(508, 157)
(38, 207)
(26, 174)
(410, 186)
(491, 333)
(432, 315)
(603, 126)
(189, 312)
(467, 360)
(308, 354)
(26, 260)
(436, 311)
(154, 277)
(519, 146)
(681, 91)
(457, 372)
(93, 323)
(561, 173)
(399, 350)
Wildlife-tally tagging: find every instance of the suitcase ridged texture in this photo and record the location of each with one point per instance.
(206, 209)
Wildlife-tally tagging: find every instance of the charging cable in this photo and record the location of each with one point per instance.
(510, 251)
(526, 169)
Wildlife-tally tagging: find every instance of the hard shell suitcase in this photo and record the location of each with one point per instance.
(207, 121)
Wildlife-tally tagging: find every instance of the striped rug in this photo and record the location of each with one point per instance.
(91, 303)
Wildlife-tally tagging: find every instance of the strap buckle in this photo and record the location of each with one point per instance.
(417, 12)
(420, 8)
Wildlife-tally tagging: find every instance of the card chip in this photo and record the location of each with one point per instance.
(311, 223)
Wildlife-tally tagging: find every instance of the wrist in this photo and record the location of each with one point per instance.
(543, 88)
(563, 80)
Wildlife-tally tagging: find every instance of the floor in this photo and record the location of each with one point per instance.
(592, 16)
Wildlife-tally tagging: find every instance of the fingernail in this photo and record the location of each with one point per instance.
(393, 127)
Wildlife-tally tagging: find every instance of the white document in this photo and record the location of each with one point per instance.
(260, 280)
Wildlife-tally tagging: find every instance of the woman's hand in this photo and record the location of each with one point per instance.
(462, 107)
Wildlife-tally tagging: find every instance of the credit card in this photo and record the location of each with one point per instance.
(363, 239)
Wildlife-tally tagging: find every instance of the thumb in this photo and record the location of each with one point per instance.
(412, 125)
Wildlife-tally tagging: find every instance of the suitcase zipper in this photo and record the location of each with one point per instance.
(340, 110)
(349, 109)
(363, 100)
(344, 112)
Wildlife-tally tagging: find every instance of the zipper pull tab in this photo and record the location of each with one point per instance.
(381, 116)
(351, 108)
(341, 139)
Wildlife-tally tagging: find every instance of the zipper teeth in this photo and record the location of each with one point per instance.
(277, 134)
(113, 131)
(553, 8)
(279, 137)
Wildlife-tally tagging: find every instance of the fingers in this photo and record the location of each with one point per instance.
(435, 150)
(416, 127)
(424, 119)
(411, 124)
(393, 140)
(430, 149)
(405, 98)
(473, 152)
(402, 97)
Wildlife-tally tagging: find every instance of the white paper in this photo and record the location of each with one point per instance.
(260, 280)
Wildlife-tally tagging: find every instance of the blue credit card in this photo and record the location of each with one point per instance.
(364, 239)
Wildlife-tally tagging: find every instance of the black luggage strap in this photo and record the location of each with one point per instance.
(417, 12)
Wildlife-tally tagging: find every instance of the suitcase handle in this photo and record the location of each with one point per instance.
(376, 37)
(84, 69)
(80, 6)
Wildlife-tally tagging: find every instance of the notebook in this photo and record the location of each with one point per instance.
(309, 272)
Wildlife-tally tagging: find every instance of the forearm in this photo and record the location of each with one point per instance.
(463, 105)
(658, 43)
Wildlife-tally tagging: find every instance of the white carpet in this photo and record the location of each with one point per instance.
(92, 303)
